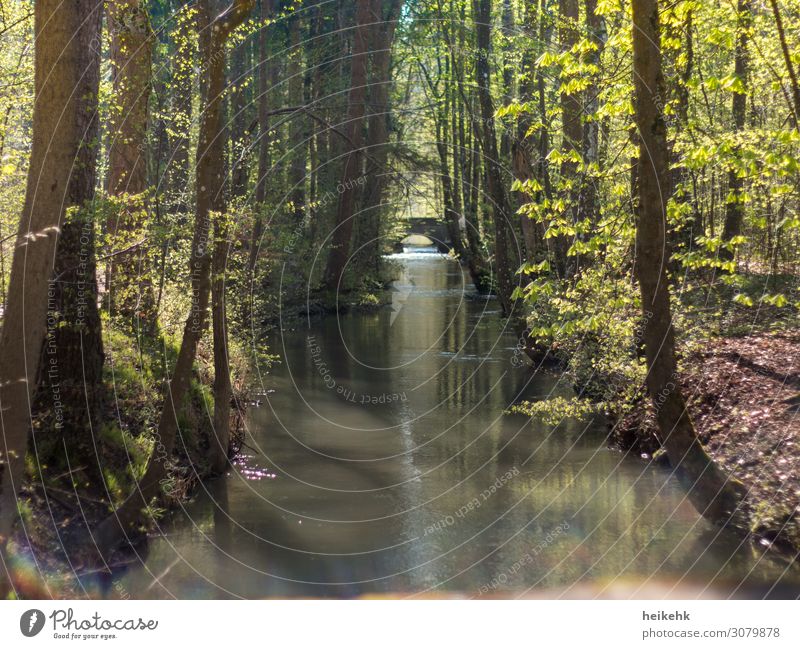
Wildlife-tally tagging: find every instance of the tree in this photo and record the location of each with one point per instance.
(131, 291)
(385, 16)
(571, 128)
(714, 494)
(209, 180)
(71, 368)
(734, 208)
(354, 140)
(55, 147)
(496, 192)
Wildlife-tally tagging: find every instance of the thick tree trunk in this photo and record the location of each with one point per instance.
(715, 495)
(209, 178)
(380, 82)
(130, 289)
(71, 368)
(495, 185)
(354, 131)
(55, 145)
(734, 207)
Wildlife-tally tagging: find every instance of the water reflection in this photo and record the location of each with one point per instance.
(384, 463)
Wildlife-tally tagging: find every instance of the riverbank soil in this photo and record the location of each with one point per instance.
(743, 394)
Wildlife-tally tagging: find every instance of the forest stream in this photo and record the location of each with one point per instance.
(380, 460)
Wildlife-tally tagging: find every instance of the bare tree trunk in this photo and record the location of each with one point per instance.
(715, 495)
(354, 131)
(380, 82)
(71, 368)
(496, 190)
(297, 126)
(238, 119)
(734, 207)
(209, 178)
(55, 145)
(265, 71)
(130, 283)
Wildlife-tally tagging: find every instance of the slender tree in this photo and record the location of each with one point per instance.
(734, 207)
(714, 494)
(496, 191)
(210, 176)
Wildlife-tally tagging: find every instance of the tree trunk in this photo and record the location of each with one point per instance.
(209, 179)
(380, 82)
(787, 59)
(522, 153)
(734, 207)
(71, 368)
(297, 126)
(55, 145)
(180, 102)
(715, 495)
(572, 133)
(266, 67)
(590, 149)
(354, 131)
(130, 283)
(495, 185)
(238, 120)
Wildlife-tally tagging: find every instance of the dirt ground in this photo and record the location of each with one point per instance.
(743, 395)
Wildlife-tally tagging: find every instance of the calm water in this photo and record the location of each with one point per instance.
(384, 463)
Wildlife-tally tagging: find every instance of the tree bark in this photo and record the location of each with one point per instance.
(297, 126)
(501, 209)
(130, 283)
(590, 145)
(380, 82)
(734, 207)
(55, 145)
(266, 70)
(71, 367)
(209, 179)
(714, 494)
(354, 132)
(572, 133)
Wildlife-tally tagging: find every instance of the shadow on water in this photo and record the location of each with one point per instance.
(384, 463)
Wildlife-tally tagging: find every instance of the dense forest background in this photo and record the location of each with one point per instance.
(176, 177)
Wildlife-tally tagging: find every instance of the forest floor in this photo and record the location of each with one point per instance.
(743, 394)
(52, 548)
